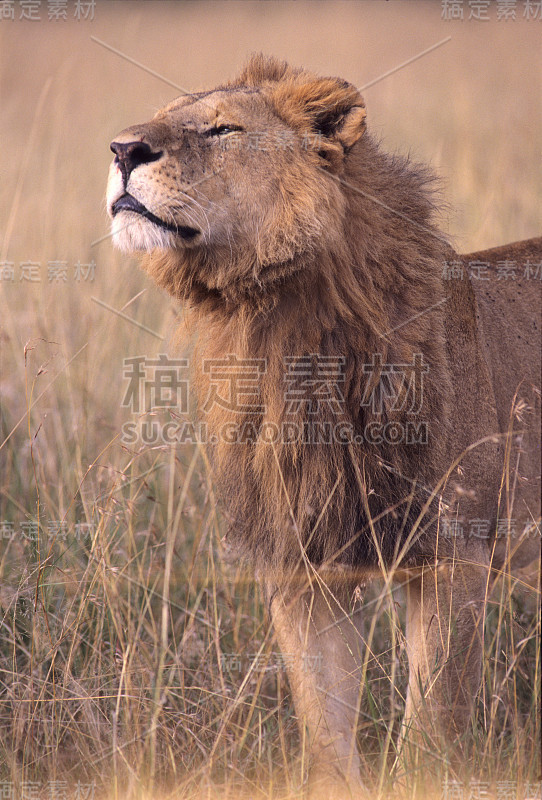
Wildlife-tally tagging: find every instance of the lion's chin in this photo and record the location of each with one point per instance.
(132, 233)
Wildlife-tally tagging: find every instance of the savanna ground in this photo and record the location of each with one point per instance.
(135, 662)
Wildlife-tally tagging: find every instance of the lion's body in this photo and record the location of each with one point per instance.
(496, 370)
(313, 265)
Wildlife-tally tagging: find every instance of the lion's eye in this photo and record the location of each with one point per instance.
(220, 130)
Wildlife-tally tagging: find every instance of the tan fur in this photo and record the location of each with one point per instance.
(298, 236)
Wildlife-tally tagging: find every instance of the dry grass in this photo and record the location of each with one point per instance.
(112, 642)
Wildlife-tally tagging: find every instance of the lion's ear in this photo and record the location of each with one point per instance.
(351, 126)
(328, 107)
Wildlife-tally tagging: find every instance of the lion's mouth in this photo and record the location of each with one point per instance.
(129, 203)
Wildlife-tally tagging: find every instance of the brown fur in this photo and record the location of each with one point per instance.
(328, 246)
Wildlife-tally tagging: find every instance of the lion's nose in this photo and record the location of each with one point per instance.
(131, 154)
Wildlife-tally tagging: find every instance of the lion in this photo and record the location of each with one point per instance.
(384, 397)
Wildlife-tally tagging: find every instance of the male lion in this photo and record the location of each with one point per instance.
(308, 261)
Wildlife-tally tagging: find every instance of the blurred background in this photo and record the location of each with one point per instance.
(113, 668)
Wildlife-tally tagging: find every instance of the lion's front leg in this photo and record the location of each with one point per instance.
(319, 637)
(444, 631)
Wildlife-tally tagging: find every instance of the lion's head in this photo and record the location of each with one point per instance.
(240, 176)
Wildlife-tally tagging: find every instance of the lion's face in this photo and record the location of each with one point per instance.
(238, 170)
(195, 173)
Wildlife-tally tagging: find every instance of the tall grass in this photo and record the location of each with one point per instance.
(135, 659)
